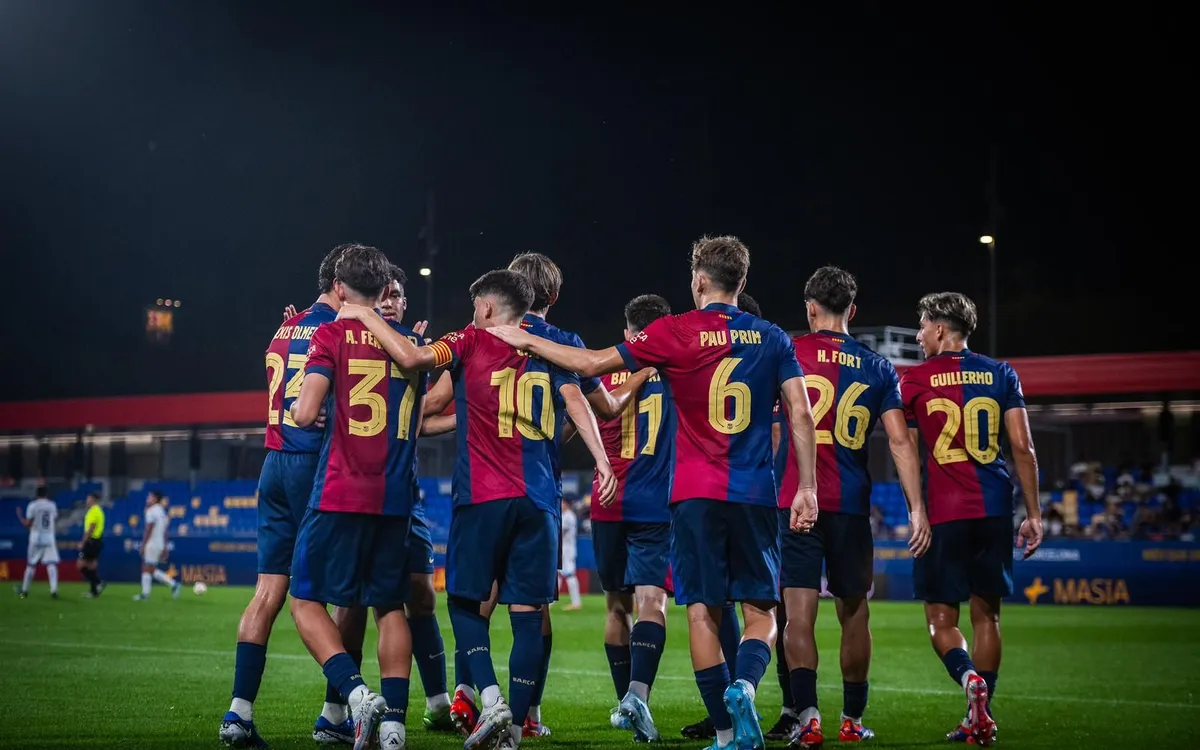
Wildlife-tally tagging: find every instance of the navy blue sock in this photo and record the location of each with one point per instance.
(804, 689)
(620, 663)
(430, 653)
(462, 665)
(752, 660)
(331, 692)
(958, 663)
(990, 678)
(730, 634)
(471, 635)
(712, 683)
(525, 662)
(854, 699)
(395, 692)
(547, 646)
(646, 642)
(783, 674)
(248, 668)
(342, 672)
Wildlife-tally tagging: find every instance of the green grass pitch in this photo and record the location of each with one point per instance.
(115, 673)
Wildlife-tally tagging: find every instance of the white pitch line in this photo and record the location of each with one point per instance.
(593, 673)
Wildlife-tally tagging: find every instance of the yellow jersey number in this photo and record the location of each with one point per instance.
(852, 435)
(276, 369)
(967, 418)
(362, 394)
(728, 402)
(651, 406)
(517, 400)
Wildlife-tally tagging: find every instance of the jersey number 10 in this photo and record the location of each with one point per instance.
(517, 400)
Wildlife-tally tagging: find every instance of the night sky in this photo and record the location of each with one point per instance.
(213, 152)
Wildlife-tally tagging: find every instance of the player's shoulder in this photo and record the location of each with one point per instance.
(320, 313)
(404, 330)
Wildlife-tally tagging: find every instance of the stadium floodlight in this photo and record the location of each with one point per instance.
(425, 271)
(986, 239)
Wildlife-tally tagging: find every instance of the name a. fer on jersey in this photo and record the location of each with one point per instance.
(366, 338)
(728, 336)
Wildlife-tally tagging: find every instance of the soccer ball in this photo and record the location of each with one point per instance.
(201, 588)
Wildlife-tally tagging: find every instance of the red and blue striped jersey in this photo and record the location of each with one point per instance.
(368, 461)
(539, 327)
(722, 369)
(508, 412)
(957, 402)
(639, 454)
(849, 387)
(286, 357)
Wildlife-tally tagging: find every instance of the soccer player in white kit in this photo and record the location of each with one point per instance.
(39, 518)
(154, 547)
(569, 526)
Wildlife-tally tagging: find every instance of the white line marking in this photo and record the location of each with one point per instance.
(594, 673)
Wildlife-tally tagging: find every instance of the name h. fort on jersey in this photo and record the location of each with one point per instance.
(286, 357)
(509, 413)
(849, 387)
(366, 463)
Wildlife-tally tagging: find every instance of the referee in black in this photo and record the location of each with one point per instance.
(93, 544)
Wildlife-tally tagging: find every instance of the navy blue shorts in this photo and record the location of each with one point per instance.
(511, 542)
(420, 545)
(842, 542)
(352, 559)
(629, 554)
(284, 487)
(724, 552)
(972, 557)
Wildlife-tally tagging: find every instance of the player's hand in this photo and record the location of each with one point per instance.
(514, 336)
(420, 327)
(607, 484)
(354, 312)
(163, 557)
(289, 312)
(918, 543)
(804, 510)
(320, 423)
(1030, 536)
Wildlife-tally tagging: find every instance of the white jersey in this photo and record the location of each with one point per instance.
(156, 516)
(44, 514)
(569, 525)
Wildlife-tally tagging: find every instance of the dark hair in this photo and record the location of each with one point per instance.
(95, 495)
(544, 276)
(746, 303)
(328, 264)
(41, 491)
(398, 274)
(156, 494)
(644, 310)
(832, 288)
(364, 269)
(951, 308)
(725, 260)
(512, 288)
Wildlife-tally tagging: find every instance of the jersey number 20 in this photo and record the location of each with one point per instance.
(968, 419)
